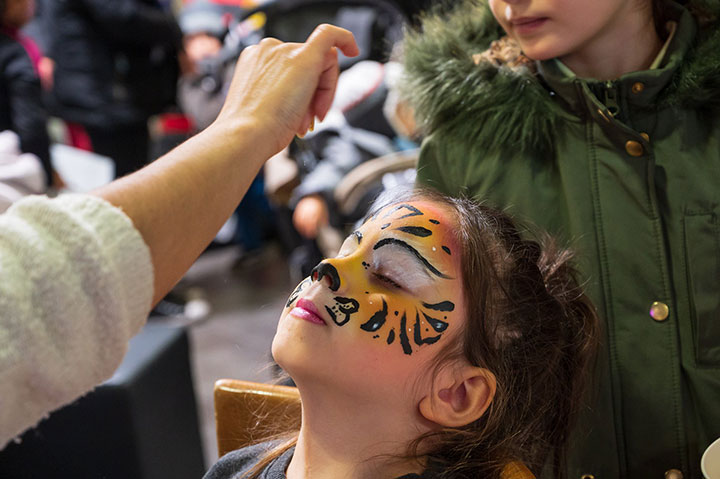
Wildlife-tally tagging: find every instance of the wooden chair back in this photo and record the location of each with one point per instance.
(246, 412)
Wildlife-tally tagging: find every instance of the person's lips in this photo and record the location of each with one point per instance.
(527, 24)
(305, 309)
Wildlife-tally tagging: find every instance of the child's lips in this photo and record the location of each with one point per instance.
(305, 309)
(527, 24)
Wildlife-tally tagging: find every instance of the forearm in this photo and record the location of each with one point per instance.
(180, 201)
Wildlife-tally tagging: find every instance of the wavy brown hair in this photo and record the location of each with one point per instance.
(531, 325)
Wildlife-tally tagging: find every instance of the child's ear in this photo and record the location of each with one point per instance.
(460, 395)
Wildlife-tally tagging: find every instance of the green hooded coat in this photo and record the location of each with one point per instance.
(628, 173)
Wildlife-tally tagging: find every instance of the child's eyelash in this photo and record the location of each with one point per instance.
(387, 280)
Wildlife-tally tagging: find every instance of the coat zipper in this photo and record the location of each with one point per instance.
(611, 102)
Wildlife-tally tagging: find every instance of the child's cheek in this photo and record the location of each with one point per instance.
(380, 319)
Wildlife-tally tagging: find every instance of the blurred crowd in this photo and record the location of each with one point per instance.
(123, 82)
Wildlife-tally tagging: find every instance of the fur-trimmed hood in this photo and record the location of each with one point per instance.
(455, 94)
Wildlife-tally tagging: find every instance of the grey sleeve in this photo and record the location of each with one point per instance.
(235, 464)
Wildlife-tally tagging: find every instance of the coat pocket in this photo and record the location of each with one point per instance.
(702, 250)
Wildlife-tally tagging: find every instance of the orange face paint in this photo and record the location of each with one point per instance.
(396, 281)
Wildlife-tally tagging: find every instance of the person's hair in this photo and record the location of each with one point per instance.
(530, 324)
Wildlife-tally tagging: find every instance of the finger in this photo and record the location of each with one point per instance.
(326, 36)
(327, 83)
(305, 124)
(269, 42)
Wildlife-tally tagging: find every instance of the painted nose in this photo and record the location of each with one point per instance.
(324, 269)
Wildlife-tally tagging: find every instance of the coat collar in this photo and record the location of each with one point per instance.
(505, 105)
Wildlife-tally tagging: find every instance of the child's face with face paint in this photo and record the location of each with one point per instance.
(375, 317)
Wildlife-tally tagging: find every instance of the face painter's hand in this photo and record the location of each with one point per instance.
(280, 87)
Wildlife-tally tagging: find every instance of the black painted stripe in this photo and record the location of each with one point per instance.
(413, 211)
(415, 231)
(437, 324)
(442, 306)
(377, 320)
(404, 341)
(419, 340)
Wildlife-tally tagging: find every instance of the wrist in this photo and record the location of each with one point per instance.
(246, 136)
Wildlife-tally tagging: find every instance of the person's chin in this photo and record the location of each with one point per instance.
(297, 342)
(541, 49)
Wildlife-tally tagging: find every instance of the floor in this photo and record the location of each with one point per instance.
(234, 341)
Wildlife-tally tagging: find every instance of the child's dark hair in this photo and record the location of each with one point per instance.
(531, 325)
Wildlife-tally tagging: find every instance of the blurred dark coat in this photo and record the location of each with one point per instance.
(115, 61)
(21, 108)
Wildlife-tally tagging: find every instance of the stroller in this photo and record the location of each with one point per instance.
(376, 24)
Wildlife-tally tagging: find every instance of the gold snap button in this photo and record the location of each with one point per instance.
(659, 312)
(634, 148)
(587, 476)
(645, 136)
(673, 474)
(637, 87)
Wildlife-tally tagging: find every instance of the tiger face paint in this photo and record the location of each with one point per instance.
(396, 283)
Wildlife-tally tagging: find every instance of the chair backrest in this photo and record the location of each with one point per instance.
(246, 412)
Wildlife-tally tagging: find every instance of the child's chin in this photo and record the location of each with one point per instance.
(540, 50)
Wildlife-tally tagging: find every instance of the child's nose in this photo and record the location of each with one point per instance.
(325, 269)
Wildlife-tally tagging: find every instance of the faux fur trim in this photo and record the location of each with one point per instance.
(696, 84)
(453, 95)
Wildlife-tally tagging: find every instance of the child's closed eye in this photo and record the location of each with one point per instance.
(387, 280)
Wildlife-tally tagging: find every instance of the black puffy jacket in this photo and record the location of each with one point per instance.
(21, 108)
(115, 61)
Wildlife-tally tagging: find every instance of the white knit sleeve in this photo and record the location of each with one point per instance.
(76, 283)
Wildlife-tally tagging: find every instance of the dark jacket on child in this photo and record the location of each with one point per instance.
(236, 464)
(21, 105)
(628, 172)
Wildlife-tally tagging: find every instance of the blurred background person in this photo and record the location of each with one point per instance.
(21, 103)
(361, 126)
(202, 89)
(116, 65)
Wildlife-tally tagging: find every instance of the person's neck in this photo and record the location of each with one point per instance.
(351, 440)
(630, 46)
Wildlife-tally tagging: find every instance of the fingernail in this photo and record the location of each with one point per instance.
(312, 125)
